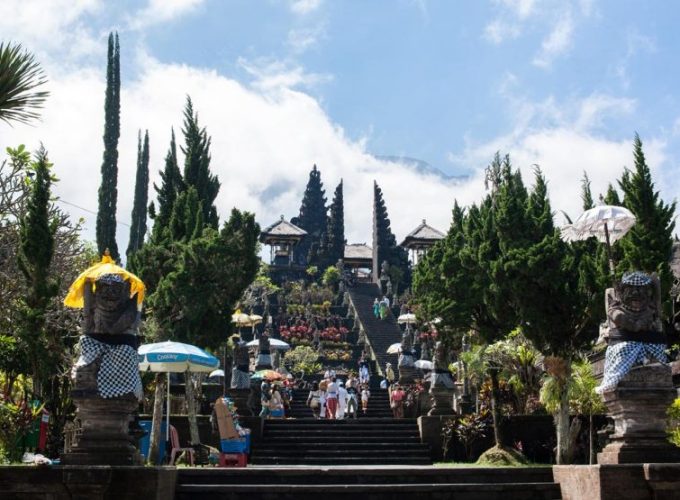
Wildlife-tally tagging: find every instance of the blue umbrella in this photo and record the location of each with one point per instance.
(174, 357)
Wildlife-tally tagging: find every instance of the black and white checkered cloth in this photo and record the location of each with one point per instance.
(119, 370)
(636, 278)
(621, 357)
(239, 379)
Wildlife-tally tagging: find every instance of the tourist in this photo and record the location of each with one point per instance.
(376, 308)
(322, 398)
(342, 400)
(365, 394)
(332, 400)
(352, 400)
(384, 307)
(389, 374)
(276, 403)
(265, 397)
(397, 401)
(314, 400)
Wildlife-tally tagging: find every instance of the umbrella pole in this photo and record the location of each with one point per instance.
(609, 250)
(167, 411)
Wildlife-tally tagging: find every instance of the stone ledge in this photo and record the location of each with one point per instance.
(91, 482)
(613, 482)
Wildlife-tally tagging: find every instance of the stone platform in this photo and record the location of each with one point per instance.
(617, 482)
(73, 482)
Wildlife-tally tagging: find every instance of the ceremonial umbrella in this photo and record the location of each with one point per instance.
(607, 223)
(216, 373)
(174, 357)
(394, 348)
(407, 318)
(424, 364)
(267, 375)
(273, 344)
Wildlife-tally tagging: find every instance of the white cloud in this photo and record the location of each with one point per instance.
(276, 75)
(263, 145)
(303, 39)
(498, 31)
(521, 8)
(49, 27)
(161, 11)
(557, 42)
(304, 7)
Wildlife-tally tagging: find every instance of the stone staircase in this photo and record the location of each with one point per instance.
(374, 483)
(365, 441)
(380, 333)
(378, 405)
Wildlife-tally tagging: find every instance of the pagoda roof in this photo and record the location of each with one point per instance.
(358, 252)
(422, 235)
(282, 230)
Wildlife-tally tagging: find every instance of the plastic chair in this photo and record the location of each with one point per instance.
(175, 447)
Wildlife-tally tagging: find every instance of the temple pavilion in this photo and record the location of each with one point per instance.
(419, 241)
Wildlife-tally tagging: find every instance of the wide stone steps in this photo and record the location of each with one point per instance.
(340, 442)
(378, 405)
(374, 483)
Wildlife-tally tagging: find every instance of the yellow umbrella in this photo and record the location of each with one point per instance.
(74, 298)
(241, 319)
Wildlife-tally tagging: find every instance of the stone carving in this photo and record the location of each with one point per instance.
(634, 334)
(240, 377)
(264, 358)
(441, 385)
(107, 385)
(636, 396)
(406, 362)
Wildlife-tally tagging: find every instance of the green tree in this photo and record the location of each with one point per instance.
(336, 228)
(388, 250)
(108, 190)
(20, 76)
(36, 248)
(648, 245)
(312, 218)
(586, 193)
(138, 226)
(171, 184)
(197, 173)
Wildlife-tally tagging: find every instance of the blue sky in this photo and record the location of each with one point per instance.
(283, 84)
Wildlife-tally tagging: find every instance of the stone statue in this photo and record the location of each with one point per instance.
(407, 363)
(441, 376)
(240, 377)
(442, 384)
(635, 333)
(107, 387)
(384, 271)
(636, 391)
(264, 358)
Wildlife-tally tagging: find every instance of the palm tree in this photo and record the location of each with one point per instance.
(20, 75)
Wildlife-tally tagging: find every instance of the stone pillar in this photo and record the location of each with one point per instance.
(104, 437)
(407, 368)
(442, 401)
(638, 406)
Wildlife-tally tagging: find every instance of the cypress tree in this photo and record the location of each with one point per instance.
(138, 226)
(312, 218)
(36, 249)
(197, 165)
(586, 193)
(386, 242)
(108, 190)
(611, 197)
(171, 184)
(334, 238)
(648, 245)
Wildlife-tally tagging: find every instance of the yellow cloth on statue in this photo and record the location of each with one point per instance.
(74, 298)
